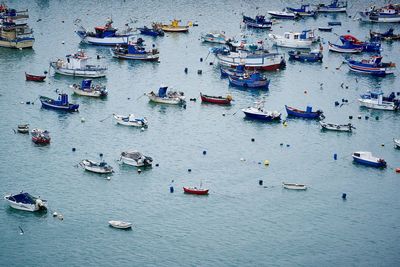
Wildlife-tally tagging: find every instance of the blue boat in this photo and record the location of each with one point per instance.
(135, 51)
(387, 36)
(259, 22)
(374, 46)
(154, 31)
(60, 104)
(253, 81)
(366, 158)
(258, 113)
(226, 72)
(304, 11)
(312, 56)
(307, 114)
(334, 6)
(373, 66)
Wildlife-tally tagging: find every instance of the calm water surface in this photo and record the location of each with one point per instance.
(240, 223)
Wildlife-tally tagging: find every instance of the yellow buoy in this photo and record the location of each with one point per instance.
(266, 162)
(285, 124)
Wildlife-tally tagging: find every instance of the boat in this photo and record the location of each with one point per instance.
(325, 29)
(220, 100)
(34, 78)
(293, 39)
(375, 100)
(312, 56)
(76, 65)
(238, 71)
(135, 51)
(96, 167)
(174, 27)
(386, 36)
(258, 113)
(6, 12)
(337, 127)
(307, 114)
(347, 47)
(164, 97)
(254, 80)
(334, 23)
(131, 120)
(373, 66)
(40, 136)
(120, 224)
(25, 201)
(60, 104)
(388, 13)
(135, 158)
(154, 31)
(366, 158)
(283, 15)
(303, 11)
(374, 46)
(214, 37)
(23, 128)
(244, 44)
(333, 7)
(15, 34)
(195, 191)
(259, 22)
(396, 143)
(88, 89)
(105, 35)
(292, 186)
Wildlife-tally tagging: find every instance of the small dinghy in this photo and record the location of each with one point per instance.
(195, 191)
(306, 114)
(302, 56)
(88, 89)
(25, 201)
(120, 224)
(396, 143)
(135, 158)
(220, 100)
(292, 186)
(366, 158)
(283, 15)
(254, 80)
(214, 37)
(258, 113)
(130, 120)
(40, 136)
(23, 128)
(325, 29)
(34, 78)
(154, 31)
(164, 97)
(96, 167)
(60, 104)
(336, 127)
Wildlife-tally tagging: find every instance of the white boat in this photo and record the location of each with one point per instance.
(283, 15)
(164, 97)
(396, 143)
(292, 186)
(389, 13)
(257, 112)
(343, 49)
(214, 37)
(292, 39)
(374, 100)
(96, 167)
(131, 120)
(76, 65)
(120, 224)
(135, 158)
(87, 89)
(25, 201)
(336, 127)
(366, 158)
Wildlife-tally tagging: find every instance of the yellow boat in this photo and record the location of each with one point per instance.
(174, 27)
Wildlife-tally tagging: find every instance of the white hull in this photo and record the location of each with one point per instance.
(368, 103)
(86, 93)
(81, 73)
(294, 186)
(165, 100)
(120, 224)
(336, 127)
(86, 164)
(340, 50)
(132, 123)
(111, 41)
(396, 143)
(266, 62)
(131, 162)
(366, 18)
(26, 207)
(280, 41)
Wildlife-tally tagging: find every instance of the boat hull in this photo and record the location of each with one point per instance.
(131, 162)
(259, 116)
(280, 41)
(336, 127)
(369, 163)
(215, 100)
(143, 57)
(294, 186)
(374, 105)
(165, 100)
(195, 191)
(280, 15)
(137, 123)
(305, 115)
(240, 82)
(267, 62)
(106, 41)
(305, 57)
(17, 43)
(78, 72)
(365, 16)
(340, 49)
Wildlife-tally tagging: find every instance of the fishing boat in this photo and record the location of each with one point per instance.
(131, 120)
(373, 66)
(312, 56)
(164, 97)
(238, 71)
(258, 113)
(334, 23)
(293, 186)
(373, 46)
(6, 12)
(214, 37)
(366, 158)
(40, 136)
(347, 47)
(254, 80)
(96, 167)
(104, 35)
(293, 39)
(60, 104)
(154, 31)
(120, 224)
(396, 143)
(15, 34)
(174, 27)
(283, 15)
(259, 22)
(195, 191)
(245, 44)
(25, 201)
(334, 6)
(386, 36)
(336, 127)
(135, 158)
(388, 13)
(34, 78)
(23, 128)
(306, 114)
(303, 11)
(76, 65)
(88, 89)
(375, 100)
(220, 100)
(135, 51)
(325, 29)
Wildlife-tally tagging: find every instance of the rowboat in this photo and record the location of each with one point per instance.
(60, 104)
(283, 15)
(292, 186)
(174, 27)
(258, 113)
(87, 89)
(336, 127)
(23, 128)
(26, 202)
(131, 120)
(195, 191)
(96, 167)
(216, 99)
(259, 22)
(396, 143)
(366, 158)
(135, 158)
(120, 224)
(307, 114)
(34, 78)
(375, 100)
(172, 97)
(334, 6)
(40, 136)
(373, 66)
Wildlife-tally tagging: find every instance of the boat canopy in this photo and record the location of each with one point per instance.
(135, 155)
(86, 84)
(162, 92)
(24, 198)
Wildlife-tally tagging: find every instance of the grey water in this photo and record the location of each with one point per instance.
(240, 223)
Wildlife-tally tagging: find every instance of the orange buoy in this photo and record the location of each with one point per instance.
(397, 170)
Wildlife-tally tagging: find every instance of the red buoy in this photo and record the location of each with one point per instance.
(397, 170)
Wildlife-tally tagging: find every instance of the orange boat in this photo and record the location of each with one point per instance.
(216, 99)
(195, 191)
(35, 78)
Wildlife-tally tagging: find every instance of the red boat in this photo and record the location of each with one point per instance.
(195, 191)
(35, 78)
(216, 99)
(40, 136)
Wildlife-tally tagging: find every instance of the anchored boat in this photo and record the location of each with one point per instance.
(352, 41)
(257, 112)
(312, 56)
(135, 158)
(337, 127)
(396, 143)
(15, 34)
(293, 186)
(366, 158)
(60, 104)
(214, 37)
(154, 31)
(306, 114)
(34, 78)
(164, 97)
(23, 128)
(334, 6)
(283, 15)
(375, 100)
(195, 191)
(174, 27)
(96, 167)
(120, 224)
(386, 36)
(25, 201)
(303, 11)
(259, 22)
(220, 100)
(251, 81)
(294, 39)
(135, 51)
(40, 136)
(88, 89)
(373, 66)
(131, 120)
(388, 13)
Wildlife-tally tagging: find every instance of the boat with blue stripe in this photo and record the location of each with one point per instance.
(135, 51)
(258, 113)
(305, 114)
(252, 81)
(366, 158)
(373, 66)
(334, 6)
(304, 11)
(60, 104)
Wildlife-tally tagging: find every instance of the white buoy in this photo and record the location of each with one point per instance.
(142, 129)
(63, 42)
(60, 216)
(242, 159)
(82, 119)
(108, 178)
(55, 214)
